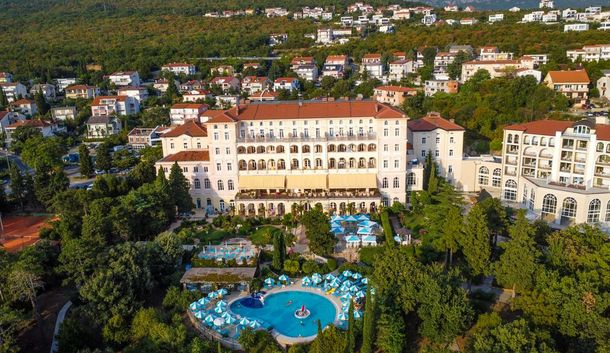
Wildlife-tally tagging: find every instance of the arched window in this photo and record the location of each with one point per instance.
(608, 212)
(197, 183)
(281, 165)
(396, 183)
(384, 182)
(221, 185)
(306, 149)
(483, 176)
(331, 163)
(206, 183)
(352, 162)
(294, 164)
(510, 190)
(595, 207)
(509, 138)
(532, 199)
(318, 162)
(549, 205)
(600, 147)
(230, 184)
(279, 149)
(496, 179)
(306, 163)
(411, 179)
(516, 139)
(568, 209)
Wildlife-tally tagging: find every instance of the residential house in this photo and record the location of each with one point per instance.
(550, 18)
(191, 85)
(138, 93)
(114, 105)
(253, 66)
(468, 21)
(181, 112)
(594, 52)
(222, 70)
(225, 101)
(180, 68)
(264, 96)
(442, 60)
(604, 26)
(196, 95)
(546, 4)
(325, 36)
(431, 87)
(62, 114)
(48, 91)
(46, 128)
(372, 65)
(451, 8)
(13, 91)
(81, 91)
(125, 78)
(455, 49)
(514, 9)
(162, 84)
(603, 84)
(492, 53)
(277, 39)
(251, 84)
(142, 137)
(286, 83)
(399, 69)
(305, 67)
(393, 95)
(62, 83)
(496, 17)
(25, 106)
(401, 14)
(8, 118)
(573, 84)
(429, 20)
(576, 27)
(226, 83)
(102, 126)
(524, 71)
(535, 16)
(495, 68)
(335, 66)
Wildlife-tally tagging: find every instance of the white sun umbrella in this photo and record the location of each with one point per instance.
(316, 278)
(222, 291)
(284, 278)
(212, 294)
(347, 273)
(365, 280)
(254, 324)
(343, 317)
(329, 277)
(354, 289)
(345, 287)
(306, 281)
(225, 315)
(244, 321)
(356, 275)
(219, 321)
(193, 306)
(360, 294)
(357, 314)
(221, 303)
(335, 283)
(347, 296)
(219, 309)
(229, 320)
(269, 281)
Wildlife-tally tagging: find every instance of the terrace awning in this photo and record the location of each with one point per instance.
(306, 182)
(261, 182)
(352, 181)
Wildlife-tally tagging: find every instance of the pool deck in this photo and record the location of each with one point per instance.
(295, 286)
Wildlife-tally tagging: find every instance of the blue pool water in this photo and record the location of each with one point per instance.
(279, 309)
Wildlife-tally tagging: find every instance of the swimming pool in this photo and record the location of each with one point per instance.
(278, 311)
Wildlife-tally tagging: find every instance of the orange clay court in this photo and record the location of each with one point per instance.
(21, 231)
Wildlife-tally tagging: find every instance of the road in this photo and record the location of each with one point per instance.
(60, 318)
(16, 160)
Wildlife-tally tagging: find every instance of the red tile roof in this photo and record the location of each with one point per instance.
(79, 87)
(188, 156)
(98, 100)
(23, 101)
(189, 106)
(309, 110)
(396, 88)
(302, 59)
(576, 76)
(189, 128)
(541, 127)
(433, 121)
(177, 65)
(493, 62)
(33, 123)
(285, 79)
(372, 56)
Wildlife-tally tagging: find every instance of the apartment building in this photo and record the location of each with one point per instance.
(393, 95)
(559, 170)
(492, 53)
(442, 60)
(603, 84)
(102, 126)
(46, 128)
(24, 106)
(431, 87)
(182, 112)
(335, 66)
(142, 137)
(496, 68)
(180, 68)
(226, 83)
(399, 69)
(576, 27)
(13, 90)
(372, 65)
(125, 78)
(138, 93)
(47, 89)
(252, 84)
(63, 113)
(573, 84)
(595, 52)
(261, 158)
(114, 105)
(81, 91)
(287, 83)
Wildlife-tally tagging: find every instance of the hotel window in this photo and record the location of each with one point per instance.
(185, 169)
(385, 147)
(198, 144)
(294, 133)
(396, 163)
(206, 183)
(423, 140)
(205, 169)
(496, 179)
(217, 150)
(568, 209)
(228, 150)
(385, 163)
(483, 176)
(396, 147)
(385, 132)
(226, 135)
(185, 145)
(197, 184)
(230, 185)
(423, 153)
(384, 183)
(221, 185)
(216, 136)
(218, 166)
(281, 133)
(196, 169)
(450, 153)
(450, 169)
(411, 179)
(436, 153)
(171, 145)
(595, 207)
(510, 190)
(438, 139)
(397, 132)
(229, 166)
(451, 139)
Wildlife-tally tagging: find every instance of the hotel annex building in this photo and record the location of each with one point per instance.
(261, 158)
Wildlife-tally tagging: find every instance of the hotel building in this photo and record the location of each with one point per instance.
(261, 158)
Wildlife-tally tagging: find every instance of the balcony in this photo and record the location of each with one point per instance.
(311, 195)
(307, 138)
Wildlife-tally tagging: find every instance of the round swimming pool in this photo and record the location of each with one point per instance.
(279, 312)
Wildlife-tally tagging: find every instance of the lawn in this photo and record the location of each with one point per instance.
(214, 236)
(264, 235)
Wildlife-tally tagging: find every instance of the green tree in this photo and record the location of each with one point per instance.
(86, 164)
(24, 285)
(279, 251)
(179, 189)
(19, 189)
(317, 230)
(21, 135)
(350, 337)
(103, 161)
(512, 337)
(41, 103)
(48, 182)
(3, 99)
(474, 241)
(517, 265)
(368, 326)
(391, 331)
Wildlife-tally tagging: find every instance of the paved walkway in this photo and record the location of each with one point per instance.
(60, 318)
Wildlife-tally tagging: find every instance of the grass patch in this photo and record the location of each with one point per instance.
(264, 235)
(368, 254)
(214, 236)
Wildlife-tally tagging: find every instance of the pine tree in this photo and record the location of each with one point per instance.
(41, 102)
(319, 337)
(18, 187)
(350, 340)
(162, 185)
(282, 247)
(368, 327)
(3, 99)
(179, 189)
(103, 161)
(518, 264)
(86, 164)
(278, 262)
(474, 241)
(433, 181)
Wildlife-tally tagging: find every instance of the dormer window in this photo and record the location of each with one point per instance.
(582, 130)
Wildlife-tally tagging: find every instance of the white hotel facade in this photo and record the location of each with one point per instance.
(263, 158)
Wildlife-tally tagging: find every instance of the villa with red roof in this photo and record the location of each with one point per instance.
(180, 68)
(393, 95)
(573, 84)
